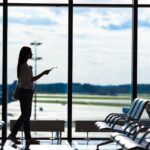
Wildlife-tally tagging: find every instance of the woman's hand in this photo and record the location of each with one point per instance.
(46, 71)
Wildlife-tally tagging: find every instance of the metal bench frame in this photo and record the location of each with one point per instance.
(57, 126)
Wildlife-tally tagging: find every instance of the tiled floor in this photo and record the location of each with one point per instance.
(49, 145)
(44, 145)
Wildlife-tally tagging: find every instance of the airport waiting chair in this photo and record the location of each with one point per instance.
(130, 141)
(126, 116)
(112, 116)
(129, 129)
(136, 114)
(115, 118)
(133, 115)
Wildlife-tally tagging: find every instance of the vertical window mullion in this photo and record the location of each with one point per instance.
(70, 62)
(134, 48)
(4, 73)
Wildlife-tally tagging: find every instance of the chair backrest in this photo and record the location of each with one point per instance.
(135, 109)
(141, 108)
(147, 107)
(132, 107)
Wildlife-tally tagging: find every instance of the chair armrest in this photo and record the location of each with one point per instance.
(2, 123)
(143, 137)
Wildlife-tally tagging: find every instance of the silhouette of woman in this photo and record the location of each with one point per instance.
(25, 83)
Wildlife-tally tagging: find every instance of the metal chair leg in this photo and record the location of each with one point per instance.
(106, 142)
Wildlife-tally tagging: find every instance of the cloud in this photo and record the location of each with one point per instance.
(40, 16)
(144, 2)
(103, 18)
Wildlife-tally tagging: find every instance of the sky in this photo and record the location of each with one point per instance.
(101, 42)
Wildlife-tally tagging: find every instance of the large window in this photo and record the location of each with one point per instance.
(38, 1)
(102, 58)
(48, 26)
(143, 54)
(102, 55)
(104, 1)
(1, 63)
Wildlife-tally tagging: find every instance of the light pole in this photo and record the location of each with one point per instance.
(35, 44)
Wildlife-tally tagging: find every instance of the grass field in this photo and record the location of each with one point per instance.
(76, 96)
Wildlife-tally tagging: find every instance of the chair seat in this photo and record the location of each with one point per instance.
(127, 142)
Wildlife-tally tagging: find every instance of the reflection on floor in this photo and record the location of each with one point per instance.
(52, 145)
(92, 145)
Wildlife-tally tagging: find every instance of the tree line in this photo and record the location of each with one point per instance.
(62, 88)
(91, 89)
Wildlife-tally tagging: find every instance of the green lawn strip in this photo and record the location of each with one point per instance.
(51, 96)
(83, 103)
(146, 96)
(88, 97)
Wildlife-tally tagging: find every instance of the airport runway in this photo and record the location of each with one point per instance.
(59, 111)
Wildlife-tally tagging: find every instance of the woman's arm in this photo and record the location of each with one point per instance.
(40, 75)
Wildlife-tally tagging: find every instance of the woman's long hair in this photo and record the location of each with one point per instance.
(22, 58)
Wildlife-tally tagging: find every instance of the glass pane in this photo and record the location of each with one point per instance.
(38, 1)
(45, 31)
(1, 17)
(144, 1)
(104, 1)
(143, 54)
(102, 62)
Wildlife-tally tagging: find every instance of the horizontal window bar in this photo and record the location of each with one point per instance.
(65, 5)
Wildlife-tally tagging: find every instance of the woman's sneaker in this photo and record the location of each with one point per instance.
(13, 139)
(32, 141)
